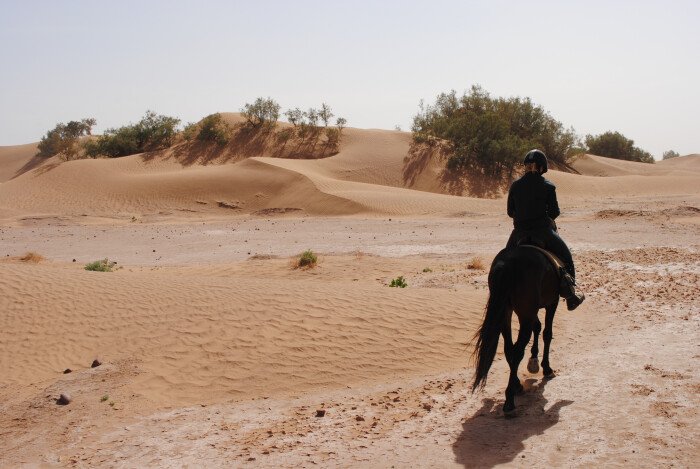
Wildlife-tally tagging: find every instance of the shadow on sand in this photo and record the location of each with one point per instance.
(489, 439)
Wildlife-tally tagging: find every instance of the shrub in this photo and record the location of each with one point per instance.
(477, 263)
(307, 259)
(615, 145)
(213, 129)
(63, 138)
(399, 282)
(325, 114)
(33, 257)
(427, 270)
(190, 131)
(103, 265)
(670, 154)
(491, 134)
(261, 112)
(294, 116)
(152, 132)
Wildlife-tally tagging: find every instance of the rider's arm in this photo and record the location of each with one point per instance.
(511, 203)
(552, 204)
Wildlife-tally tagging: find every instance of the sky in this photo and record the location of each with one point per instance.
(627, 66)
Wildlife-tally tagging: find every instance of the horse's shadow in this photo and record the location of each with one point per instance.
(488, 438)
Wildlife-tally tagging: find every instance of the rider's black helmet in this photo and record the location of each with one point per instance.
(539, 158)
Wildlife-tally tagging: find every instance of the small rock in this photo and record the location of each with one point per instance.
(320, 413)
(95, 363)
(73, 260)
(427, 406)
(360, 418)
(64, 399)
(67, 370)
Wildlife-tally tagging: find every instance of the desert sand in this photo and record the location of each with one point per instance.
(216, 352)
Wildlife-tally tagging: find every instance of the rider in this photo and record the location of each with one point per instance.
(532, 203)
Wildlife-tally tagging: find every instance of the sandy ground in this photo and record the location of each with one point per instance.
(216, 352)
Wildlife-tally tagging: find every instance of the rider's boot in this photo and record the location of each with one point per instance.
(568, 289)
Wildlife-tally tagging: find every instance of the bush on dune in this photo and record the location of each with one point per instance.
(152, 132)
(210, 129)
(63, 139)
(670, 154)
(263, 112)
(615, 145)
(490, 135)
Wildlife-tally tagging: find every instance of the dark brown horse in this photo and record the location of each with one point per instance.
(523, 280)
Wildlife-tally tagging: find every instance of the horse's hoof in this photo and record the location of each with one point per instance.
(549, 374)
(509, 413)
(533, 365)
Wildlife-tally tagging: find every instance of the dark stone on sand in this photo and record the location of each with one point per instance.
(360, 418)
(73, 260)
(95, 363)
(320, 413)
(64, 399)
(67, 370)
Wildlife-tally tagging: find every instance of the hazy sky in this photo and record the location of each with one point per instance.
(631, 66)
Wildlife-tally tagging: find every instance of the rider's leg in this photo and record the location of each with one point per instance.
(558, 247)
(561, 250)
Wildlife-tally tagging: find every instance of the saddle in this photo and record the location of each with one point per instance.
(566, 282)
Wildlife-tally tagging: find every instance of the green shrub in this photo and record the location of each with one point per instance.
(670, 154)
(307, 259)
(489, 134)
(294, 116)
(399, 282)
(262, 112)
(214, 129)
(615, 145)
(427, 270)
(103, 265)
(63, 138)
(325, 114)
(152, 132)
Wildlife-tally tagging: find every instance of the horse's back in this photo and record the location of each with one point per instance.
(534, 279)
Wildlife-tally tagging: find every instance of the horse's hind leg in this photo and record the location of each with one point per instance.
(532, 365)
(517, 353)
(547, 336)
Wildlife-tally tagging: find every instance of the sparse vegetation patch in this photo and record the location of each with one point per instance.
(32, 256)
(307, 259)
(477, 263)
(103, 265)
(398, 282)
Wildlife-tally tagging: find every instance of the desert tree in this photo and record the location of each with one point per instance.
(615, 145)
(325, 114)
(670, 154)
(295, 116)
(262, 112)
(63, 139)
(489, 134)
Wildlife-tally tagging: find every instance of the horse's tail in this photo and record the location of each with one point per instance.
(501, 281)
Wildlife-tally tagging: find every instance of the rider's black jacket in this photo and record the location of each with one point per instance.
(532, 202)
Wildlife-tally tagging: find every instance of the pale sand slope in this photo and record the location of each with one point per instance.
(14, 158)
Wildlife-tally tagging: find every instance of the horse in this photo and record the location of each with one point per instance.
(521, 279)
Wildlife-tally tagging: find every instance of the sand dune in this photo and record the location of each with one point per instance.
(371, 175)
(13, 159)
